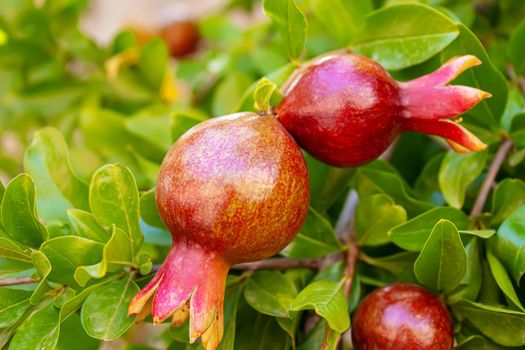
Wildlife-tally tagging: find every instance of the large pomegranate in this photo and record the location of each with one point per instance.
(345, 109)
(232, 189)
(402, 317)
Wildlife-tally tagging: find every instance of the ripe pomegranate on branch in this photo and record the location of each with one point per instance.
(345, 109)
(232, 189)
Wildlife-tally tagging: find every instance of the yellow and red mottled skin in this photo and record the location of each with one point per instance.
(345, 109)
(402, 317)
(232, 189)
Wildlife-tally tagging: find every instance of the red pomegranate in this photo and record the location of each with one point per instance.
(402, 317)
(345, 109)
(232, 189)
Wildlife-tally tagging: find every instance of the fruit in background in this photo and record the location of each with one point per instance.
(345, 109)
(181, 37)
(232, 189)
(402, 317)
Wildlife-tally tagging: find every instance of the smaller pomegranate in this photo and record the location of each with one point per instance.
(402, 317)
(345, 109)
(232, 189)
(181, 37)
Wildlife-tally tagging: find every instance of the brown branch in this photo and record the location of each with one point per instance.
(278, 264)
(17, 281)
(491, 176)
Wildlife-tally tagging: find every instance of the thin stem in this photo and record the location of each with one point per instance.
(491, 176)
(17, 281)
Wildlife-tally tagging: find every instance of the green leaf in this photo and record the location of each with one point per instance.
(442, 264)
(270, 292)
(380, 177)
(67, 253)
(485, 77)
(39, 331)
(400, 264)
(85, 225)
(117, 253)
(404, 35)
(503, 280)
(153, 62)
(153, 125)
(57, 186)
(229, 92)
(316, 238)
(43, 267)
(290, 22)
(2, 191)
(105, 312)
(13, 304)
(341, 19)
(485, 234)
(515, 48)
(375, 215)
(508, 196)
(471, 283)
(19, 215)
(266, 94)
(183, 121)
(413, 234)
(233, 294)
(114, 199)
(509, 241)
(328, 301)
(148, 209)
(10, 249)
(457, 172)
(503, 326)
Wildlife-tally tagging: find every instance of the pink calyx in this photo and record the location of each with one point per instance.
(429, 104)
(190, 283)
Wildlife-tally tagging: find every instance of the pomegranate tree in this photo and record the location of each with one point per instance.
(345, 109)
(232, 189)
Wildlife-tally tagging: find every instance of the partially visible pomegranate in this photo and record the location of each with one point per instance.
(402, 317)
(345, 109)
(181, 37)
(232, 189)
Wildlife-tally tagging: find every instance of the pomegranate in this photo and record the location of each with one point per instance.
(345, 109)
(232, 189)
(402, 317)
(182, 38)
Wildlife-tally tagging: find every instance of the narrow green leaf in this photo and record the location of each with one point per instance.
(67, 253)
(485, 234)
(471, 283)
(403, 35)
(290, 22)
(399, 264)
(413, 234)
(457, 172)
(19, 215)
(503, 280)
(13, 304)
(442, 264)
(104, 314)
(316, 238)
(503, 326)
(509, 243)
(270, 292)
(515, 48)
(375, 215)
(116, 254)
(43, 267)
(85, 225)
(57, 186)
(266, 94)
(148, 209)
(153, 62)
(328, 301)
(231, 300)
(508, 196)
(114, 199)
(10, 249)
(39, 331)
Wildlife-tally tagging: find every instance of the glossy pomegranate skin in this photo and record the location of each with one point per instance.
(402, 317)
(345, 109)
(236, 185)
(339, 104)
